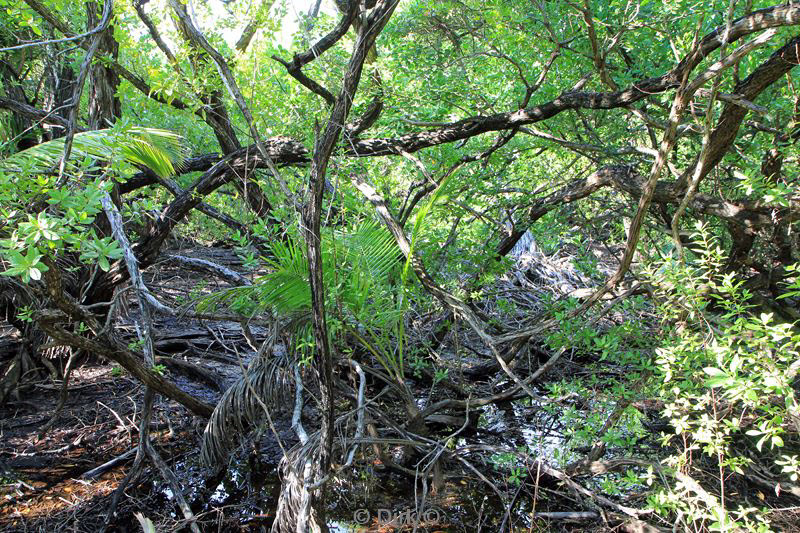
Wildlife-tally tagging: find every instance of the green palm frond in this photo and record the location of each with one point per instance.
(158, 150)
(374, 248)
(354, 260)
(285, 290)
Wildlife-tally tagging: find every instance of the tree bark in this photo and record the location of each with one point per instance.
(104, 105)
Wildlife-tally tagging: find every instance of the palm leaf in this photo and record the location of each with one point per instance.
(374, 248)
(357, 259)
(269, 377)
(158, 150)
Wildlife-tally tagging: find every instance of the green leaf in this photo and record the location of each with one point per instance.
(720, 381)
(158, 150)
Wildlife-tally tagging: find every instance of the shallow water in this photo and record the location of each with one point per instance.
(373, 499)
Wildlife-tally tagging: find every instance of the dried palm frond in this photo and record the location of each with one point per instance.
(296, 468)
(556, 272)
(294, 510)
(266, 384)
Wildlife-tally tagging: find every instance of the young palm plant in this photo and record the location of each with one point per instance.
(364, 307)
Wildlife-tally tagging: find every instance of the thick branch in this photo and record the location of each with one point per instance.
(575, 190)
(763, 19)
(724, 135)
(153, 29)
(102, 344)
(294, 68)
(321, 46)
(40, 115)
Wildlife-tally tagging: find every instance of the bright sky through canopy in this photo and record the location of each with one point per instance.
(289, 24)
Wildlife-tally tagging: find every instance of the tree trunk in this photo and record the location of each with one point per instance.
(104, 106)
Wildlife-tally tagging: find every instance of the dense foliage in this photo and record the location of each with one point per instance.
(612, 184)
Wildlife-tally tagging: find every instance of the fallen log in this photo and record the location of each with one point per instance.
(108, 465)
(569, 515)
(192, 370)
(49, 321)
(223, 272)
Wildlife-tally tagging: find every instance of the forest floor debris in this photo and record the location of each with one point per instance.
(43, 485)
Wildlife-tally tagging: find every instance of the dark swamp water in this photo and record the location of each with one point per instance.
(373, 498)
